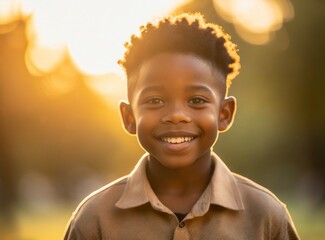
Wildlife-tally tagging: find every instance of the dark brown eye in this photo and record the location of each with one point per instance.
(155, 101)
(197, 100)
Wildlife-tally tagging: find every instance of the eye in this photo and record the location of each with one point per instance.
(197, 100)
(155, 101)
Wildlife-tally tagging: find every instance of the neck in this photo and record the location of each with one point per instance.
(189, 180)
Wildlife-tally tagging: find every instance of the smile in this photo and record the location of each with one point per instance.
(177, 140)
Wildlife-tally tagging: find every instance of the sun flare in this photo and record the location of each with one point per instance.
(93, 31)
(255, 20)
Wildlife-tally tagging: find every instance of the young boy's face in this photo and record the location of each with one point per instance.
(178, 106)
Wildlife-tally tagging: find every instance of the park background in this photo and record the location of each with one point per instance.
(60, 132)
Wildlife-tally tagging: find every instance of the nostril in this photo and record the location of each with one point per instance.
(176, 118)
(176, 113)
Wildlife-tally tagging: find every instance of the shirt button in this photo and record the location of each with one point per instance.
(181, 224)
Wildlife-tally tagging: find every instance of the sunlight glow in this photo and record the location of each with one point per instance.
(42, 59)
(255, 20)
(114, 89)
(93, 31)
(9, 9)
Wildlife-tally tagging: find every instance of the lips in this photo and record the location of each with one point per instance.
(177, 142)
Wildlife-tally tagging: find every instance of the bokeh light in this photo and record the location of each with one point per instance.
(255, 20)
(9, 10)
(93, 31)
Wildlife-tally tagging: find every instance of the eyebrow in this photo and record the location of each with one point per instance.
(189, 88)
(199, 88)
(152, 89)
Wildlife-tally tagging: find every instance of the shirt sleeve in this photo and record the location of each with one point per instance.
(68, 232)
(79, 229)
(287, 230)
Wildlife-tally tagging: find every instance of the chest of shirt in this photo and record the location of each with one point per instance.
(147, 223)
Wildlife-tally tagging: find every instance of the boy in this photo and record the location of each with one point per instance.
(179, 72)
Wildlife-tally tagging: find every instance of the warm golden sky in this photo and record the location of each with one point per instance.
(93, 31)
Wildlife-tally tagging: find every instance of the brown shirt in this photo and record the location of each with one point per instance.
(231, 207)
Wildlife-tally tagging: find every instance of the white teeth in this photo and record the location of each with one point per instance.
(176, 140)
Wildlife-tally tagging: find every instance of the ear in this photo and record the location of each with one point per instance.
(127, 117)
(227, 113)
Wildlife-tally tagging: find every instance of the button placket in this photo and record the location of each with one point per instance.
(181, 224)
(181, 232)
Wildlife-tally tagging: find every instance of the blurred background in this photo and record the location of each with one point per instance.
(60, 132)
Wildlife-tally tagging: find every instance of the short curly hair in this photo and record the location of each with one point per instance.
(184, 33)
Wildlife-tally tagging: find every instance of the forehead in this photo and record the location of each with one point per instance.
(174, 64)
(166, 66)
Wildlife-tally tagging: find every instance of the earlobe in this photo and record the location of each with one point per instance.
(127, 118)
(227, 113)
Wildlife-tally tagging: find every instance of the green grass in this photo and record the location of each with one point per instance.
(49, 224)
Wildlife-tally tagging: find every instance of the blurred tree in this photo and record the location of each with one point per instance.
(54, 128)
(302, 69)
(11, 67)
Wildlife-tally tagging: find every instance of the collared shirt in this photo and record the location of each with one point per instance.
(231, 207)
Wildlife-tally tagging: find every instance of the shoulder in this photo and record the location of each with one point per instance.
(103, 198)
(259, 199)
(263, 208)
(109, 193)
(84, 221)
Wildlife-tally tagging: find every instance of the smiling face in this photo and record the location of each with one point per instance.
(178, 106)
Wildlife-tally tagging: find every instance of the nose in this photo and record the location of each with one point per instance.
(176, 113)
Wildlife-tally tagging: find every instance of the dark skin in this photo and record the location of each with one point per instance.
(179, 189)
(177, 109)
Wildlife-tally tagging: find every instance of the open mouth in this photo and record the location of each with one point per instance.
(176, 140)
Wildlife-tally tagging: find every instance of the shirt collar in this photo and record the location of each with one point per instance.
(222, 189)
(135, 192)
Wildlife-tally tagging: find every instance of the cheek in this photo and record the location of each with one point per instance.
(145, 126)
(209, 122)
(209, 126)
(145, 122)
(211, 129)
(140, 124)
